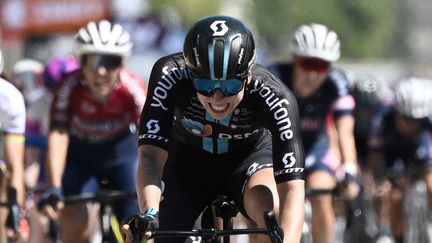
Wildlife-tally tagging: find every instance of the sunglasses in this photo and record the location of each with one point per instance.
(95, 61)
(208, 87)
(311, 64)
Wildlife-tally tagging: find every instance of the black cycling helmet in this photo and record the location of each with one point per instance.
(219, 48)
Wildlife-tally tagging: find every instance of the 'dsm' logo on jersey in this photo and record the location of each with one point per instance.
(197, 128)
(219, 28)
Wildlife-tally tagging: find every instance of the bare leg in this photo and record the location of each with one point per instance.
(78, 223)
(323, 215)
(261, 195)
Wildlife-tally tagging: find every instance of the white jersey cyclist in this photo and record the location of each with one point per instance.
(12, 110)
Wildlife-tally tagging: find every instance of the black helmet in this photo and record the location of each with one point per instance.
(219, 47)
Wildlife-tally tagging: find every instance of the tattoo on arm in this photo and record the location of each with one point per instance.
(151, 168)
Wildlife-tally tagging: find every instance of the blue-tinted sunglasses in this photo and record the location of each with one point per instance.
(228, 87)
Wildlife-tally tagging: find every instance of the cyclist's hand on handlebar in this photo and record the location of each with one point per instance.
(141, 226)
(51, 202)
(349, 181)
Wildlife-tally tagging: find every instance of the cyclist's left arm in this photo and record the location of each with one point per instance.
(345, 129)
(282, 119)
(13, 142)
(14, 159)
(344, 123)
(291, 212)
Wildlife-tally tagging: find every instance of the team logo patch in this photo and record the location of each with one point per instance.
(197, 128)
(153, 126)
(288, 160)
(219, 28)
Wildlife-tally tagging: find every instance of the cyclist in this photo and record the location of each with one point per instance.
(12, 127)
(399, 145)
(92, 137)
(27, 77)
(217, 123)
(325, 103)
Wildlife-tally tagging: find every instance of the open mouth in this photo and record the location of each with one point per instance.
(219, 109)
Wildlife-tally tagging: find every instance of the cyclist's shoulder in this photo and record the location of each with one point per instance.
(9, 94)
(338, 79)
(263, 77)
(175, 60)
(72, 79)
(12, 108)
(7, 87)
(132, 81)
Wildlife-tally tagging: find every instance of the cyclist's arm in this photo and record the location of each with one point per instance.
(58, 142)
(291, 215)
(345, 131)
(149, 175)
(14, 159)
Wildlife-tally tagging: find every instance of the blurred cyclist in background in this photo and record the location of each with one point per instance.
(92, 140)
(399, 147)
(27, 76)
(325, 102)
(370, 95)
(56, 69)
(12, 127)
(37, 83)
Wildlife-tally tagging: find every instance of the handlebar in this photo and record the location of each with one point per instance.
(103, 196)
(273, 230)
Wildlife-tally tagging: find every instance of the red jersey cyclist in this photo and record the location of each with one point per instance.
(217, 123)
(326, 105)
(92, 137)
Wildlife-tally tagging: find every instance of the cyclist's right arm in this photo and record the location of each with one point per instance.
(156, 123)
(149, 176)
(58, 142)
(57, 147)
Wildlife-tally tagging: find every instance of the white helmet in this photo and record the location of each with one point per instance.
(27, 65)
(316, 40)
(103, 38)
(413, 97)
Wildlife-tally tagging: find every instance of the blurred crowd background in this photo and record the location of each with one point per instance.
(383, 39)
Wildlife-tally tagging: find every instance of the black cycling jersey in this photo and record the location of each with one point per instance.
(398, 150)
(333, 97)
(174, 117)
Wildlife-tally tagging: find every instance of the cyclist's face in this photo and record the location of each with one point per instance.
(101, 73)
(218, 105)
(309, 74)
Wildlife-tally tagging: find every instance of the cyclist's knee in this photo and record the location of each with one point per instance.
(257, 200)
(78, 220)
(320, 180)
(396, 195)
